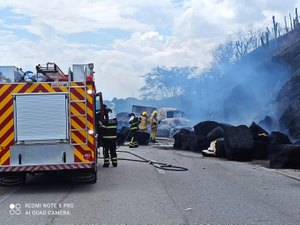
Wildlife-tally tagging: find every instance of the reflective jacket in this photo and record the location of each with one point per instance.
(143, 124)
(134, 124)
(153, 122)
(109, 130)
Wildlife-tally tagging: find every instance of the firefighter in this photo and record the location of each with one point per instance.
(134, 122)
(109, 131)
(144, 122)
(153, 125)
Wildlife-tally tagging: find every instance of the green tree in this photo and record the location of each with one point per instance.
(163, 82)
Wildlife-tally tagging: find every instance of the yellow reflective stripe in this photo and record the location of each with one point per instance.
(109, 136)
(109, 126)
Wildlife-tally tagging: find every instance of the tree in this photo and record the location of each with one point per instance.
(163, 82)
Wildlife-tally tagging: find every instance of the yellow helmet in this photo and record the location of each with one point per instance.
(144, 113)
(154, 113)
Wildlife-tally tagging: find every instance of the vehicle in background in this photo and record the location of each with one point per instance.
(138, 109)
(171, 120)
(123, 120)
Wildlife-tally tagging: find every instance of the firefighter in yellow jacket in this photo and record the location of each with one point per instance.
(144, 122)
(153, 125)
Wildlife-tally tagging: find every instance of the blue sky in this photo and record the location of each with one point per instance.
(125, 39)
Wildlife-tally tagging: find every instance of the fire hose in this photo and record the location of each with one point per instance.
(158, 165)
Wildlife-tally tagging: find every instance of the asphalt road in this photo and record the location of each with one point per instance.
(212, 191)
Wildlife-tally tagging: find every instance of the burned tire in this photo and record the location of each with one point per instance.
(238, 143)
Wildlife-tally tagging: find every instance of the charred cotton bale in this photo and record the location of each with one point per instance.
(192, 142)
(261, 141)
(142, 137)
(216, 149)
(203, 128)
(288, 157)
(178, 138)
(259, 133)
(220, 148)
(123, 135)
(277, 138)
(260, 150)
(216, 133)
(238, 143)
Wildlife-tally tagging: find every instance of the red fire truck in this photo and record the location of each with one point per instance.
(48, 122)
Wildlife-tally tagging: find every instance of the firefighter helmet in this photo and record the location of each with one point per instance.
(144, 113)
(111, 115)
(154, 112)
(130, 115)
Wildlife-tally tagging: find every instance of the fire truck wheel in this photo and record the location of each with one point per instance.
(12, 179)
(94, 174)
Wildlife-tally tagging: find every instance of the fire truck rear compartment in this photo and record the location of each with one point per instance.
(42, 154)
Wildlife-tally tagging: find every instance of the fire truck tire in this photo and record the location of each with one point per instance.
(94, 181)
(12, 179)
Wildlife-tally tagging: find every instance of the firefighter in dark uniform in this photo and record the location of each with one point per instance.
(109, 131)
(134, 122)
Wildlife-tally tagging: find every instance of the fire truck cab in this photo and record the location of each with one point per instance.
(48, 122)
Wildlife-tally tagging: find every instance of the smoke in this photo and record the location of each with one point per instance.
(245, 92)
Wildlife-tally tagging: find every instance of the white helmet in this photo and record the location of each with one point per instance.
(111, 116)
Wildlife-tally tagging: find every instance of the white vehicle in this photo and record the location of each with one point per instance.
(171, 120)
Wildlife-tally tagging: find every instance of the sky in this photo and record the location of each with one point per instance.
(125, 39)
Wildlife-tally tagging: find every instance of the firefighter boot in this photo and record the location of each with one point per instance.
(106, 162)
(114, 162)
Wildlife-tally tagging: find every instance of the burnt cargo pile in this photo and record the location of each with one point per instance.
(240, 143)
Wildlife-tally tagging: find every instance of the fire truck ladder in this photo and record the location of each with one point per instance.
(73, 86)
